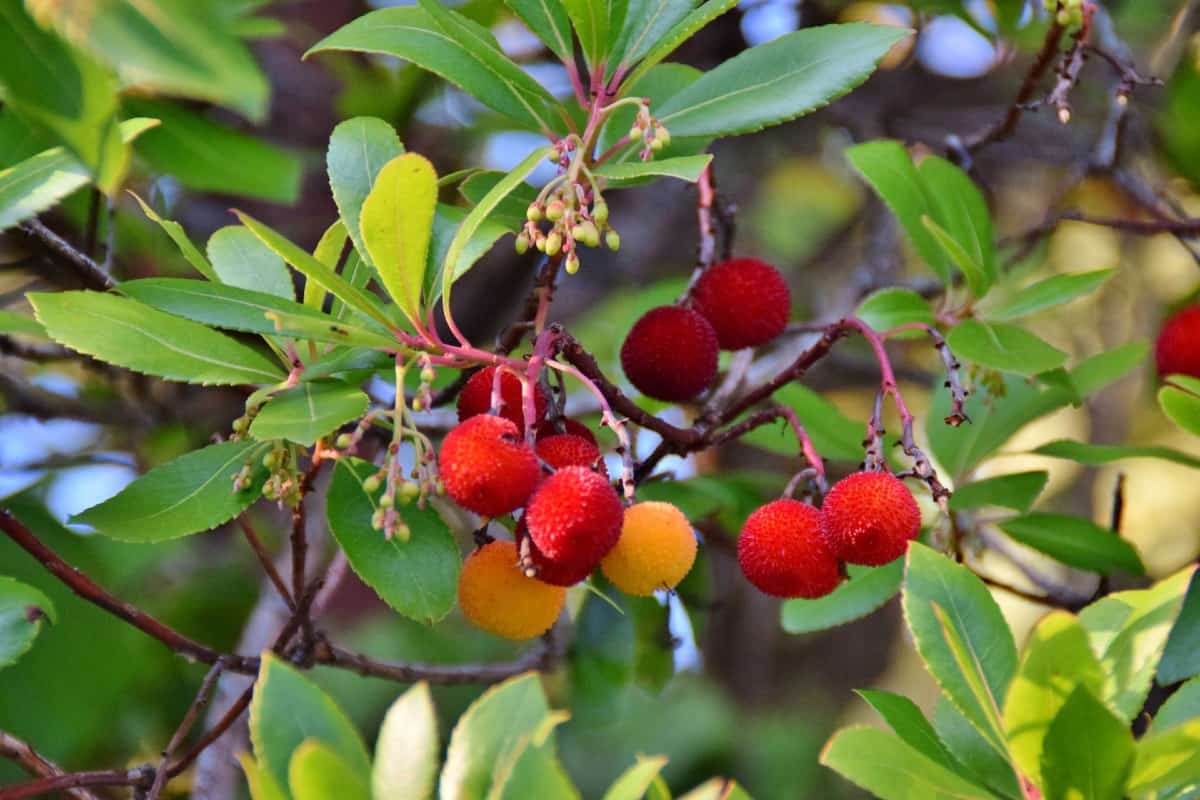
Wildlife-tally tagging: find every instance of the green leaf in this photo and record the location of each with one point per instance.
(1094, 454)
(177, 47)
(395, 224)
(328, 251)
(245, 310)
(685, 168)
(1166, 760)
(22, 611)
(717, 789)
(335, 284)
(1181, 407)
(978, 757)
(635, 781)
(961, 635)
(1057, 659)
(317, 772)
(468, 58)
(867, 590)
(1182, 706)
(1181, 658)
(417, 578)
(779, 80)
(288, 709)
(64, 91)
(646, 23)
(1016, 491)
(1093, 374)
(835, 435)
(193, 493)
(452, 267)
(510, 212)
(548, 21)
(592, 22)
(179, 236)
(1074, 541)
(13, 322)
(305, 413)
(33, 185)
(406, 752)
(491, 728)
(1005, 347)
(207, 156)
(972, 270)
(657, 85)
(894, 770)
(908, 722)
(358, 150)
(961, 211)
(447, 220)
(886, 165)
(261, 783)
(130, 334)
(240, 259)
(1128, 631)
(683, 30)
(1045, 294)
(531, 769)
(1088, 752)
(893, 307)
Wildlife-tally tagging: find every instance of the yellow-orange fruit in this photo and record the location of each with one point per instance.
(495, 595)
(656, 550)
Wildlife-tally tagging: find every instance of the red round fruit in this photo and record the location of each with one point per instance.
(568, 450)
(746, 301)
(486, 466)
(574, 518)
(869, 518)
(1177, 351)
(546, 570)
(476, 397)
(670, 354)
(563, 425)
(781, 551)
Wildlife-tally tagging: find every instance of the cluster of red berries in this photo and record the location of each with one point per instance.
(573, 520)
(791, 549)
(671, 352)
(1177, 350)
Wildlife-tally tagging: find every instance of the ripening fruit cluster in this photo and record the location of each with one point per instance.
(671, 352)
(572, 521)
(1177, 349)
(791, 549)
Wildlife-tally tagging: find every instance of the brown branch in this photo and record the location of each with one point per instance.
(264, 559)
(185, 726)
(226, 722)
(86, 588)
(36, 764)
(90, 273)
(75, 780)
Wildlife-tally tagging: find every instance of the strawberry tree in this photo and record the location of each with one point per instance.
(553, 503)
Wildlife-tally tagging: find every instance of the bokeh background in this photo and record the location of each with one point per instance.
(719, 686)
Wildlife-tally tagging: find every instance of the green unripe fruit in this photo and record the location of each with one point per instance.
(540, 243)
(572, 264)
(371, 485)
(533, 213)
(343, 441)
(409, 490)
(387, 501)
(635, 132)
(271, 460)
(555, 210)
(377, 519)
(600, 212)
(240, 424)
(427, 374)
(521, 244)
(403, 532)
(656, 145)
(553, 243)
(661, 135)
(613, 240)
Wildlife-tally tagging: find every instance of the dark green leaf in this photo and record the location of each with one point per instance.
(511, 211)
(657, 85)
(1088, 751)
(417, 578)
(317, 772)
(288, 709)
(593, 23)
(891, 769)
(22, 611)
(179, 236)
(406, 752)
(1016, 491)
(64, 91)
(891, 308)
(779, 80)
(548, 20)
(305, 413)
(240, 259)
(683, 30)
(447, 220)
(1182, 706)
(1045, 294)
(960, 209)
(646, 23)
(685, 168)
(130, 334)
(358, 149)
(207, 156)
(1094, 454)
(1075, 541)
(909, 723)
(193, 493)
(1005, 347)
(600, 664)
(1181, 658)
(980, 759)
(867, 590)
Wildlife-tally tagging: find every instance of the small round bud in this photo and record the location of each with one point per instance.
(521, 244)
(613, 240)
(533, 213)
(656, 145)
(591, 234)
(579, 233)
(409, 490)
(553, 243)
(1064, 17)
(417, 404)
(427, 374)
(387, 501)
(240, 424)
(377, 519)
(540, 243)
(635, 132)
(371, 485)
(661, 135)
(343, 441)
(572, 264)
(403, 532)
(555, 210)
(600, 212)
(271, 460)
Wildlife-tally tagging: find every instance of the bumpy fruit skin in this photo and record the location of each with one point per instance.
(476, 397)
(781, 551)
(745, 300)
(869, 518)
(670, 354)
(1177, 351)
(574, 518)
(549, 571)
(656, 550)
(486, 466)
(547, 428)
(568, 450)
(495, 595)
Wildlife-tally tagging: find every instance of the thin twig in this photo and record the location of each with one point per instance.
(91, 273)
(36, 764)
(75, 780)
(185, 726)
(265, 560)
